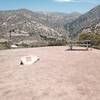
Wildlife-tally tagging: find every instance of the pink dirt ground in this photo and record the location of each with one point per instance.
(58, 75)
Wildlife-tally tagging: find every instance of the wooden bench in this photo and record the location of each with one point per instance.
(85, 43)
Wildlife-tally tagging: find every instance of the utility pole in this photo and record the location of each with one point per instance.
(10, 38)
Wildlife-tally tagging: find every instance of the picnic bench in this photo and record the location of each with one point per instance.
(85, 43)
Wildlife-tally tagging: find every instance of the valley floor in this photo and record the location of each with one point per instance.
(58, 75)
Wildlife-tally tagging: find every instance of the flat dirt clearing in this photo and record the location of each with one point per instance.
(58, 75)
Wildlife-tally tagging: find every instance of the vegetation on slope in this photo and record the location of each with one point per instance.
(94, 38)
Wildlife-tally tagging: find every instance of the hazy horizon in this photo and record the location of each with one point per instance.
(63, 6)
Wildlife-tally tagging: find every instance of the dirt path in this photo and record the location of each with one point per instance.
(58, 75)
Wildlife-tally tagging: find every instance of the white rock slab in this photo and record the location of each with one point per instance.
(28, 60)
(14, 46)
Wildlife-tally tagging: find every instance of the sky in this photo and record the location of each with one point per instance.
(66, 6)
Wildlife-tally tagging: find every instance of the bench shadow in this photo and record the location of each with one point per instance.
(77, 50)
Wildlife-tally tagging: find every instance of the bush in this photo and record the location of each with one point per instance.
(3, 46)
(54, 41)
(94, 38)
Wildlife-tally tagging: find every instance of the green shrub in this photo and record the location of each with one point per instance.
(94, 38)
(3, 46)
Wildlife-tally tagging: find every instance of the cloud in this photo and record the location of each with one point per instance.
(76, 1)
(63, 0)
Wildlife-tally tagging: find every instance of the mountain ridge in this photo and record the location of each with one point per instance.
(88, 21)
(25, 23)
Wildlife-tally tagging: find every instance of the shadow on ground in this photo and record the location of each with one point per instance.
(77, 50)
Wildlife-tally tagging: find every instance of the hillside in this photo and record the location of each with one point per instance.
(46, 28)
(86, 23)
(57, 20)
(24, 25)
